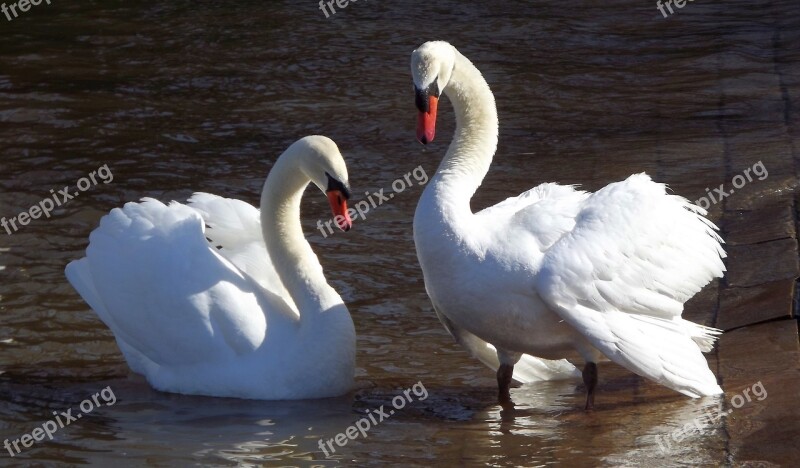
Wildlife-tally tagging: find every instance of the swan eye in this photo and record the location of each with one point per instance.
(335, 184)
(421, 96)
(421, 100)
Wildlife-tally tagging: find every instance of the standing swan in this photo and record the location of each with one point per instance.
(214, 298)
(556, 269)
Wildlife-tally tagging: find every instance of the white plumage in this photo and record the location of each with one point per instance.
(557, 269)
(232, 315)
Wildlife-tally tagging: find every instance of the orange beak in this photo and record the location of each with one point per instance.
(339, 208)
(426, 121)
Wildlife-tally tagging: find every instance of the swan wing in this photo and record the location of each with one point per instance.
(528, 369)
(540, 216)
(169, 298)
(233, 227)
(623, 273)
(547, 191)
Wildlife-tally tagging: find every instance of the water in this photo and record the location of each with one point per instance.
(181, 96)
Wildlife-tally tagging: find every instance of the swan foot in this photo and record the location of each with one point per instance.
(504, 374)
(590, 380)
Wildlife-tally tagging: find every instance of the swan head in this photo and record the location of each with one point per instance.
(432, 66)
(324, 165)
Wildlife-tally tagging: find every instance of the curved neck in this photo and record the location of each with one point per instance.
(470, 154)
(294, 261)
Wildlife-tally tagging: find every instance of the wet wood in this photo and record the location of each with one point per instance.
(762, 429)
(753, 264)
(756, 226)
(747, 306)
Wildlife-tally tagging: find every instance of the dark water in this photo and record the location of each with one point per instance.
(181, 96)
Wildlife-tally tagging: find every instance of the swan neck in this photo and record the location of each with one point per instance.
(475, 141)
(291, 254)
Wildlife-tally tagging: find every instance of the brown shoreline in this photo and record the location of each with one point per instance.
(757, 298)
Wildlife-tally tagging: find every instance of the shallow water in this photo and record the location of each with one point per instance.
(176, 97)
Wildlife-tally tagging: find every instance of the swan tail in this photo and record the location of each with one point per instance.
(662, 350)
(532, 369)
(622, 275)
(670, 352)
(703, 336)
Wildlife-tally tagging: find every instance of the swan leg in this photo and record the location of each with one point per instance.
(504, 374)
(590, 380)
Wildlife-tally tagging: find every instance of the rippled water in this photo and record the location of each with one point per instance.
(182, 96)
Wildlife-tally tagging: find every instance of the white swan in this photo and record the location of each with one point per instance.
(249, 315)
(555, 269)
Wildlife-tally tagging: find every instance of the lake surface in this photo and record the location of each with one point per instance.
(176, 97)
